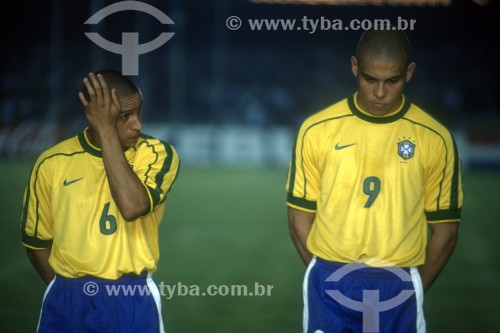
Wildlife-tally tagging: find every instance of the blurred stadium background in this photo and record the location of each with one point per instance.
(231, 102)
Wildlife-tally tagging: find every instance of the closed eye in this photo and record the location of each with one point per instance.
(125, 116)
(394, 80)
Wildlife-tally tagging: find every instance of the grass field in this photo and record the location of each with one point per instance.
(228, 226)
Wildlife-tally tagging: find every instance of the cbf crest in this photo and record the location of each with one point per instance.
(406, 148)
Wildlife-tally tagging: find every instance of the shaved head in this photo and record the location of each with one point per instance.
(384, 45)
(382, 68)
(123, 85)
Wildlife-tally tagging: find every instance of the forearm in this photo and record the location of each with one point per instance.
(439, 249)
(40, 261)
(128, 192)
(300, 245)
(300, 224)
(103, 112)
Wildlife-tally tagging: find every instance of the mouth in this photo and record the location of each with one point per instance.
(134, 138)
(377, 105)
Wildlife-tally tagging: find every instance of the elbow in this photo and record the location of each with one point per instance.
(449, 236)
(130, 217)
(452, 242)
(453, 235)
(292, 227)
(133, 206)
(132, 212)
(292, 231)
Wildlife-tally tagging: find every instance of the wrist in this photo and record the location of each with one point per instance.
(100, 136)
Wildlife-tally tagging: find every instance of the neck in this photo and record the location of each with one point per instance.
(362, 107)
(93, 139)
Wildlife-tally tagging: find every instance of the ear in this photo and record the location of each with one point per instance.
(409, 71)
(354, 66)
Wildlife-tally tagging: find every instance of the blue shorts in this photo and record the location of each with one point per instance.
(354, 297)
(128, 305)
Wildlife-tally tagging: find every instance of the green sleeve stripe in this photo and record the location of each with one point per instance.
(26, 204)
(155, 195)
(35, 233)
(36, 242)
(293, 168)
(165, 168)
(175, 177)
(301, 202)
(173, 181)
(449, 214)
(438, 201)
(153, 192)
(147, 143)
(167, 164)
(455, 178)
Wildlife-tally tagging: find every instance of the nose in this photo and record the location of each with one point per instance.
(380, 91)
(136, 124)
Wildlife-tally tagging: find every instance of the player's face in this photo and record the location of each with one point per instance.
(380, 84)
(129, 124)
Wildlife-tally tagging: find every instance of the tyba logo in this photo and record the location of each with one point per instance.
(370, 306)
(130, 49)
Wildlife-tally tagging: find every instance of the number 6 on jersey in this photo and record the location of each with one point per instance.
(107, 222)
(371, 187)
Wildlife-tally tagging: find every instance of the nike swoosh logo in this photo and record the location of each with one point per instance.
(66, 182)
(337, 147)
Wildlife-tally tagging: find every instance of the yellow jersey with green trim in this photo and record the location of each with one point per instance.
(68, 208)
(374, 182)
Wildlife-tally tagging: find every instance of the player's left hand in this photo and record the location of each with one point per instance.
(104, 106)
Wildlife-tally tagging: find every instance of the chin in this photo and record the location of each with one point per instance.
(128, 145)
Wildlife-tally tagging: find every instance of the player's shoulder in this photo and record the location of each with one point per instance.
(53, 156)
(66, 147)
(334, 111)
(420, 117)
(150, 142)
(146, 139)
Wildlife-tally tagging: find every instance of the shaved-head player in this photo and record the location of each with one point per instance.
(369, 176)
(91, 215)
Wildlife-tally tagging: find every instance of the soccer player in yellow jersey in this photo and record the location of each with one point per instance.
(369, 176)
(91, 215)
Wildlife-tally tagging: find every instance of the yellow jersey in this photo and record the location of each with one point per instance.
(374, 182)
(68, 208)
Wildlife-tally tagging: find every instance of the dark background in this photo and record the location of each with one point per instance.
(209, 74)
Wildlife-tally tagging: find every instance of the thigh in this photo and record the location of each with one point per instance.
(69, 306)
(321, 313)
(135, 310)
(127, 306)
(53, 317)
(348, 298)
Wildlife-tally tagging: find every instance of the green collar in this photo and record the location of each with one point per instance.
(378, 120)
(87, 146)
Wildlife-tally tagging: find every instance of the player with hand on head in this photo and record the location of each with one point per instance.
(368, 176)
(91, 215)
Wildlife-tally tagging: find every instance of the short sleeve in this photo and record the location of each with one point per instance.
(303, 181)
(36, 221)
(157, 166)
(443, 194)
